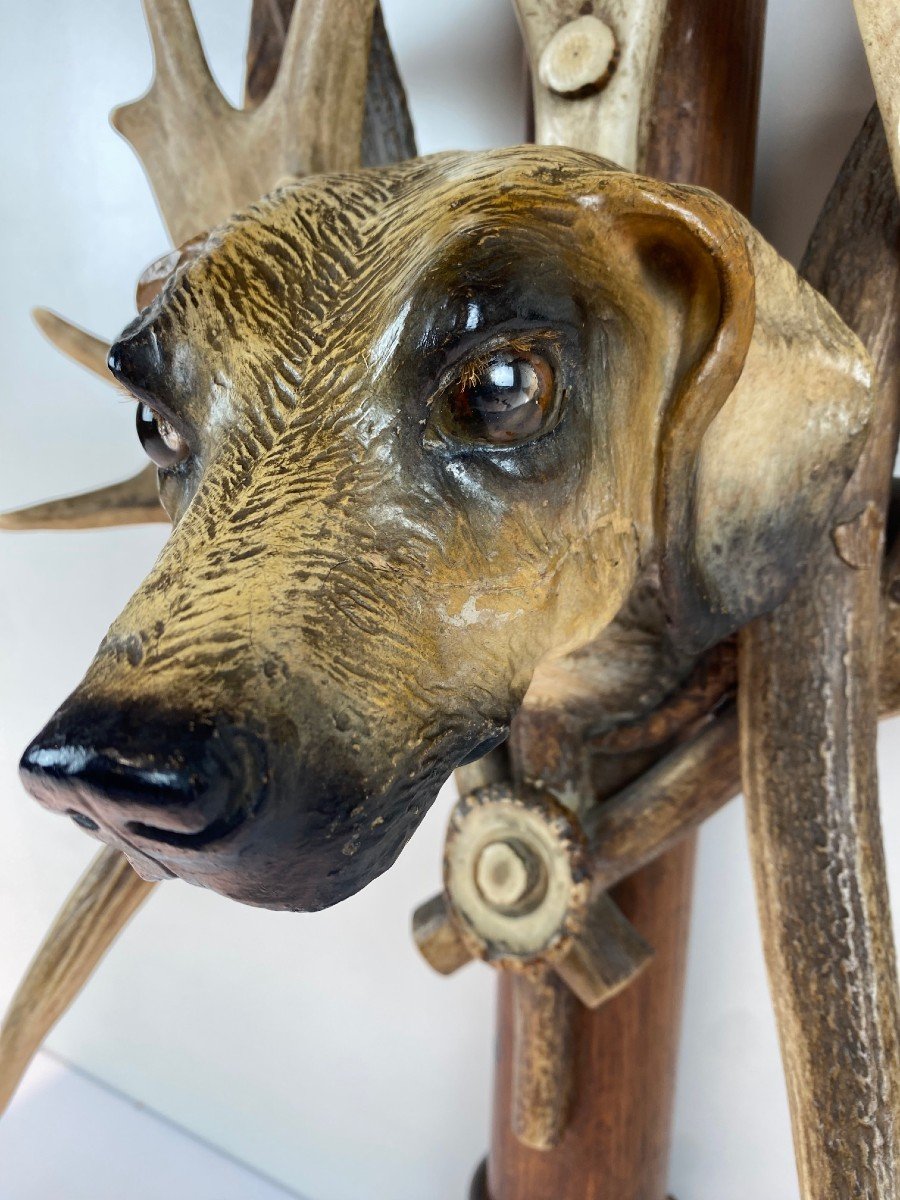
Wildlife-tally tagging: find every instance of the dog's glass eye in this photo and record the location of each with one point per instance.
(502, 398)
(161, 441)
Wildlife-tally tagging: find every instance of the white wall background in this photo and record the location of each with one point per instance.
(318, 1048)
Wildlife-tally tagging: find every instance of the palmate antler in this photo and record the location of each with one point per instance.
(322, 94)
(310, 121)
(286, 127)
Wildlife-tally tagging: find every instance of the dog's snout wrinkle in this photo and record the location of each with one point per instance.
(214, 832)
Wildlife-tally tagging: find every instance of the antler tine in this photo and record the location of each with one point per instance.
(182, 120)
(310, 121)
(879, 26)
(319, 93)
(134, 501)
(85, 348)
(178, 56)
(97, 909)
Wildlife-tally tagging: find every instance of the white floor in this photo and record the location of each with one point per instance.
(66, 1137)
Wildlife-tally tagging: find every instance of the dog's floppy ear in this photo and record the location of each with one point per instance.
(766, 416)
(779, 452)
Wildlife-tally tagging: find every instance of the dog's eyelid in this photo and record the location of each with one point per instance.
(172, 418)
(163, 440)
(139, 395)
(471, 353)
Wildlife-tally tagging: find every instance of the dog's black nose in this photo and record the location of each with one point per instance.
(137, 359)
(142, 779)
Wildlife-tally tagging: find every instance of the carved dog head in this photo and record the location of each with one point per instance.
(420, 429)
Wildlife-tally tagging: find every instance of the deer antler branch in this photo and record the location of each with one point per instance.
(592, 78)
(310, 121)
(318, 97)
(879, 26)
(134, 501)
(88, 350)
(96, 911)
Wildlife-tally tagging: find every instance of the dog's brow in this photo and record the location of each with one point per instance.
(470, 288)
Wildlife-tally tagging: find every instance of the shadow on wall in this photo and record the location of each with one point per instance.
(804, 137)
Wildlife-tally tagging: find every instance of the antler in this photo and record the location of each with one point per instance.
(879, 25)
(88, 350)
(134, 501)
(310, 121)
(592, 77)
(100, 905)
(808, 706)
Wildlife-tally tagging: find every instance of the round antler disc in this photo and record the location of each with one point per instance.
(515, 870)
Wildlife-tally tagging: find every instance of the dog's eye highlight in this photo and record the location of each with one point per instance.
(161, 441)
(501, 398)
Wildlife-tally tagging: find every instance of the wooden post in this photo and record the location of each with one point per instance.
(616, 1146)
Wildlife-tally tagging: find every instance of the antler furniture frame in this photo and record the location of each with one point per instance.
(538, 465)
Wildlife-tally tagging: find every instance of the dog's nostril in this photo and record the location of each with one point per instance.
(194, 840)
(118, 785)
(131, 778)
(83, 820)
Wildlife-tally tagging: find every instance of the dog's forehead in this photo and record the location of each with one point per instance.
(322, 231)
(319, 273)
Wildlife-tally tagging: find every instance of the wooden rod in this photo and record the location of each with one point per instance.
(666, 803)
(616, 1145)
(699, 777)
(808, 700)
(541, 1056)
